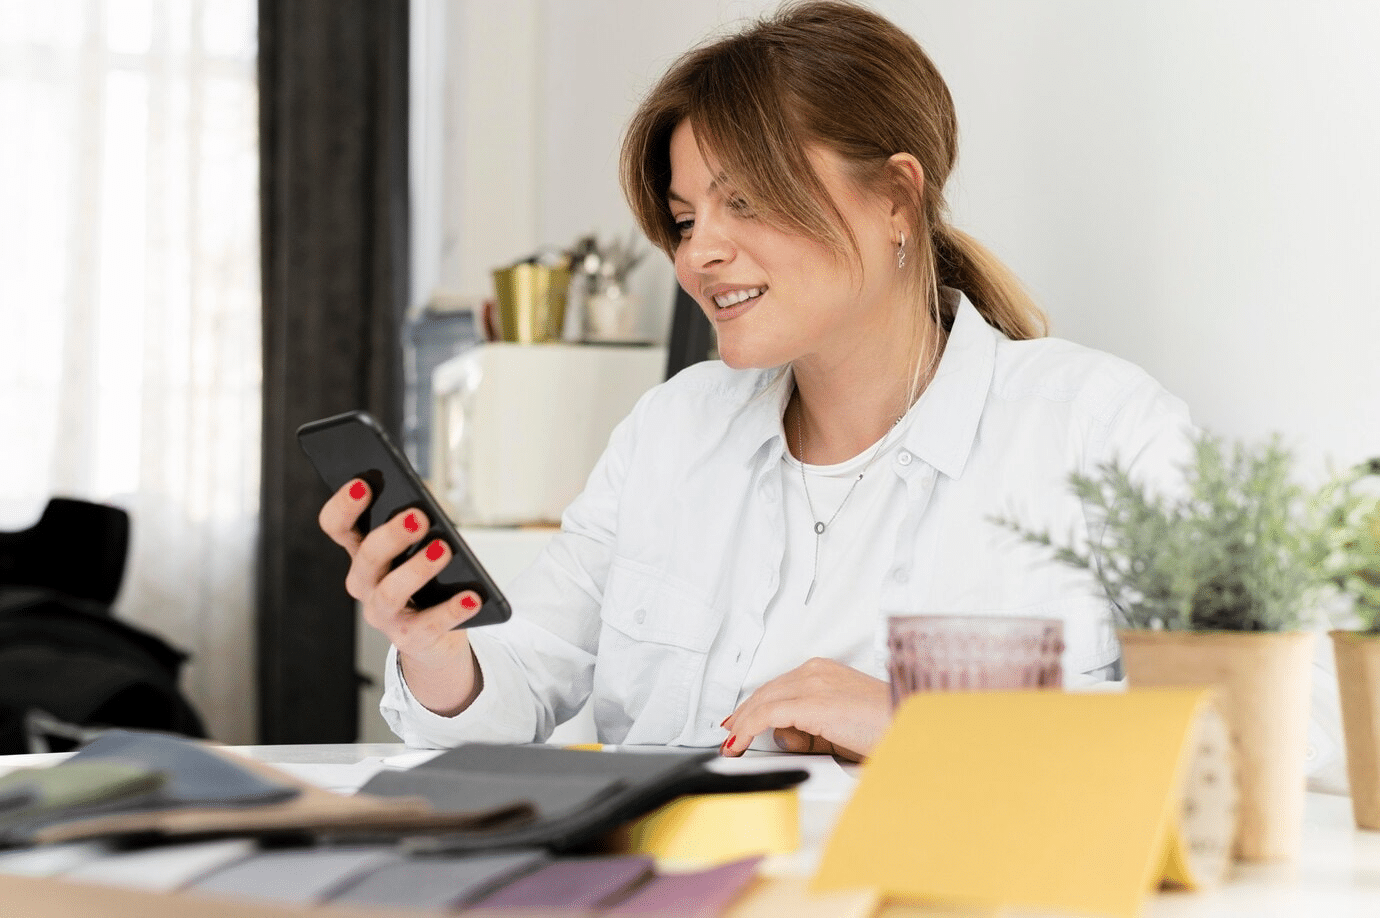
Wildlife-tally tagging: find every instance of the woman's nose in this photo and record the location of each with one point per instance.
(707, 245)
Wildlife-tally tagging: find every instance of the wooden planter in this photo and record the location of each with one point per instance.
(1358, 682)
(1263, 691)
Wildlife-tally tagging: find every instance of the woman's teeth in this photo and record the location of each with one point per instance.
(725, 300)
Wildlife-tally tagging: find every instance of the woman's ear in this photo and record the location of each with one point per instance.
(909, 183)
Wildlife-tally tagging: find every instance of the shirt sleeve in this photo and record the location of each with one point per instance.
(538, 667)
(1149, 433)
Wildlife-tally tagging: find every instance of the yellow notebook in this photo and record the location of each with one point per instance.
(1040, 799)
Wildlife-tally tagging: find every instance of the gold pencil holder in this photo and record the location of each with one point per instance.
(531, 302)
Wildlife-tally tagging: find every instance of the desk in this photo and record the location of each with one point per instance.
(1337, 874)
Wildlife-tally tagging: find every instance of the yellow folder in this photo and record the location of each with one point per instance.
(1040, 800)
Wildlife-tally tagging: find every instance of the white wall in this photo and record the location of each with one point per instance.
(1189, 184)
(1192, 185)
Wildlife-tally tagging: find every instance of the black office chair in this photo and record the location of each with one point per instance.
(77, 548)
(68, 667)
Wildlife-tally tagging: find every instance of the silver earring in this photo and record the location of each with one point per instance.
(901, 253)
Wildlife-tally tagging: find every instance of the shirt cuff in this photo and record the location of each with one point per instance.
(497, 714)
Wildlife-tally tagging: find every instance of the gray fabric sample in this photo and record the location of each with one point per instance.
(636, 782)
(195, 775)
(439, 882)
(537, 759)
(301, 876)
(452, 791)
(573, 883)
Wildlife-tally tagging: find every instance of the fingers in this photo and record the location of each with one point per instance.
(373, 557)
(385, 592)
(339, 514)
(789, 739)
(796, 717)
(420, 633)
(822, 706)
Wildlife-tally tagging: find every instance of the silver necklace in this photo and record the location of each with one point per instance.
(821, 525)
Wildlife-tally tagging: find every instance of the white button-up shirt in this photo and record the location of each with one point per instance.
(645, 601)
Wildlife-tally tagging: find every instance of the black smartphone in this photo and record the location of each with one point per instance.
(353, 445)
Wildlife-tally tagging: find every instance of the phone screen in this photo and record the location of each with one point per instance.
(353, 445)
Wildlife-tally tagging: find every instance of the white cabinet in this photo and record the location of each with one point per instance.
(516, 428)
(516, 431)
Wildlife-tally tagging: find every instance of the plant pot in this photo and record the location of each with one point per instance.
(1263, 691)
(1358, 682)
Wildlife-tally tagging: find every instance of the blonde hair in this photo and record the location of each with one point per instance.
(834, 74)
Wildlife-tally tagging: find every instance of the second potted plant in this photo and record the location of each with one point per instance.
(1353, 565)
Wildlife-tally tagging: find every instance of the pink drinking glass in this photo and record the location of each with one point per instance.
(973, 652)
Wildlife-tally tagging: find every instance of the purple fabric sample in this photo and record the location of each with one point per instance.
(573, 883)
(703, 894)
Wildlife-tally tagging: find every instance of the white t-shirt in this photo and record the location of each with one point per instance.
(661, 599)
(841, 611)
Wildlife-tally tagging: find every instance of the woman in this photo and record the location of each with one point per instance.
(883, 392)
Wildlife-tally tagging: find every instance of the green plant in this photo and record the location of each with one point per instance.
(1238, 548)
(1352, 562)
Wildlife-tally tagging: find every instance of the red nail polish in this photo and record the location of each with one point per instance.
(724, 722)
(728, 744)
(469, 603)
(357, 490)
(435, 550)
(410, 523)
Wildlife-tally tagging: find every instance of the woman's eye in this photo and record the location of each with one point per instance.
(684, 226)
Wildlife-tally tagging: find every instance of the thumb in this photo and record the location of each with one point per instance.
(789, 739)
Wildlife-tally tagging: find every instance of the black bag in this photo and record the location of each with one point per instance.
(67, 661)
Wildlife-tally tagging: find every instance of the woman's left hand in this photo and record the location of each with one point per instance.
(821, 706)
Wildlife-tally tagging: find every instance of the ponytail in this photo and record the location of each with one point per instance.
(965, 264)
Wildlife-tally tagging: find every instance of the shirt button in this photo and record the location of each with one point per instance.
(904, 457)
(640, 616)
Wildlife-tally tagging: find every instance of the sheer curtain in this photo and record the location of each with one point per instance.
(129, 291)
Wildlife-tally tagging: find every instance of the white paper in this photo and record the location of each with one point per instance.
(50, 860)
(165, 868)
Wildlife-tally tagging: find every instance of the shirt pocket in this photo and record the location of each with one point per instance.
(654, 642)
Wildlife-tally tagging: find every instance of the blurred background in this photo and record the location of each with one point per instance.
(1188, 184)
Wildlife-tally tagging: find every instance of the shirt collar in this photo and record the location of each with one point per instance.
(763, 413)
(941, 427)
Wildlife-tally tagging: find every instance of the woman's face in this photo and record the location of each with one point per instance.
(776, 298)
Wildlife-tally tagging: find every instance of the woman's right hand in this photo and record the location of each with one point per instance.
(436, 658)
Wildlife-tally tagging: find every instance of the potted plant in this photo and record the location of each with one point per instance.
(1353, 565)
(1214, 583)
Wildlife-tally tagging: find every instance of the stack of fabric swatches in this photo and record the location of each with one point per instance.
(481, 826)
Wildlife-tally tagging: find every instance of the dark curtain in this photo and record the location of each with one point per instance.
(333, 150)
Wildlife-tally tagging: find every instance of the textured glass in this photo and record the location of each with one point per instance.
(956, 653)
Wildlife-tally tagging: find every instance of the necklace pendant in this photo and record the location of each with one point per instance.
(819, 528)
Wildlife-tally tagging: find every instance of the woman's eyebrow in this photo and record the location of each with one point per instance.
(673, 197)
